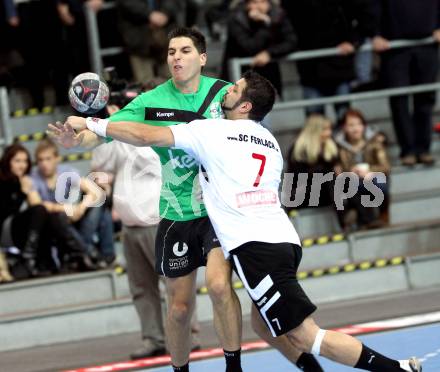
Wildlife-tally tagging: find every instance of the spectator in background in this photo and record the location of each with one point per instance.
(328, 24)
(313, 152)
(22, 216)
(361, 151)
(261, 30)
(409, 19)
(191, 12)
(216, 17)
(33, 42)
(85, 221)
(144, 26)
(75, 52)
(136, 202)
(8, 43)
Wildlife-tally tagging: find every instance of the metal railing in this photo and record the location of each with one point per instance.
(5, 127)
(365, 96)
(96, 53)
(235, 64)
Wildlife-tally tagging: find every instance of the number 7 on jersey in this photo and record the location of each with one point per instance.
(262, 158)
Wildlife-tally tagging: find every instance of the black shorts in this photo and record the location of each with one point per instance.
(183, 246)
(268, 272)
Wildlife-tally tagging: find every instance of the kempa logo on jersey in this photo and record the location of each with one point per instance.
(184, 161)
(164, 114)
(180, 249)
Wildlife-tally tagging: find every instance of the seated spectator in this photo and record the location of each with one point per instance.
(261, 30)
(361, 151)
(85, 222)
(25, 222)
(22, 217)
(313, 152)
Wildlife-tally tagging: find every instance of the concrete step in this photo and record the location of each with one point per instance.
(118, 316)
(61, 291)
(68, 324)
(28, 124)
(416, 179)
(392, 241)
(402, 240)
(415, 206)
(325, 255)
(313, 222)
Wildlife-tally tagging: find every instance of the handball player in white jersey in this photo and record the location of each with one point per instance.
(241, 165)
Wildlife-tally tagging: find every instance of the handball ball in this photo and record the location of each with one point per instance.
(88, 93)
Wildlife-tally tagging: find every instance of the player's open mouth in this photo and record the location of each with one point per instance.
(178, 68)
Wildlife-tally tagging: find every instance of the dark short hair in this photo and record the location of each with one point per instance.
(195, 35)
(260, 92)
(5, 161)
(354, 114)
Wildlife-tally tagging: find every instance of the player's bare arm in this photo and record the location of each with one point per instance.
(73, 133)
(140, 134)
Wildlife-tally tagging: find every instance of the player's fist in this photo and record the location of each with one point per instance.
(76, 122)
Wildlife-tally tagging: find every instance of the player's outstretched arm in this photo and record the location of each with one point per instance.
(136, 134)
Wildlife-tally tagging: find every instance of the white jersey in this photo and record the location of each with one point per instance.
(241, 165)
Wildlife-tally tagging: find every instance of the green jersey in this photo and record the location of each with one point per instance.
(164, 106)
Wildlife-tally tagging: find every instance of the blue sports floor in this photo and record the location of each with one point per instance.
(423, 342)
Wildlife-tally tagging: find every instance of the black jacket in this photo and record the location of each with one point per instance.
(247, 38)
(11, 198)
(325, 24)
(406, 19)
(138, 37)
(301, 167)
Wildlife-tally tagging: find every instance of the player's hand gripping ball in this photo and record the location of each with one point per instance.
(88, 93)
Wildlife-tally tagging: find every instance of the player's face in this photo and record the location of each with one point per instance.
(184, 60)
(232, 98)
(353, 128)
(47, 162)
(19, 164)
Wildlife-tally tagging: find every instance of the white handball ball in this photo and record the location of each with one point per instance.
(88, 93)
